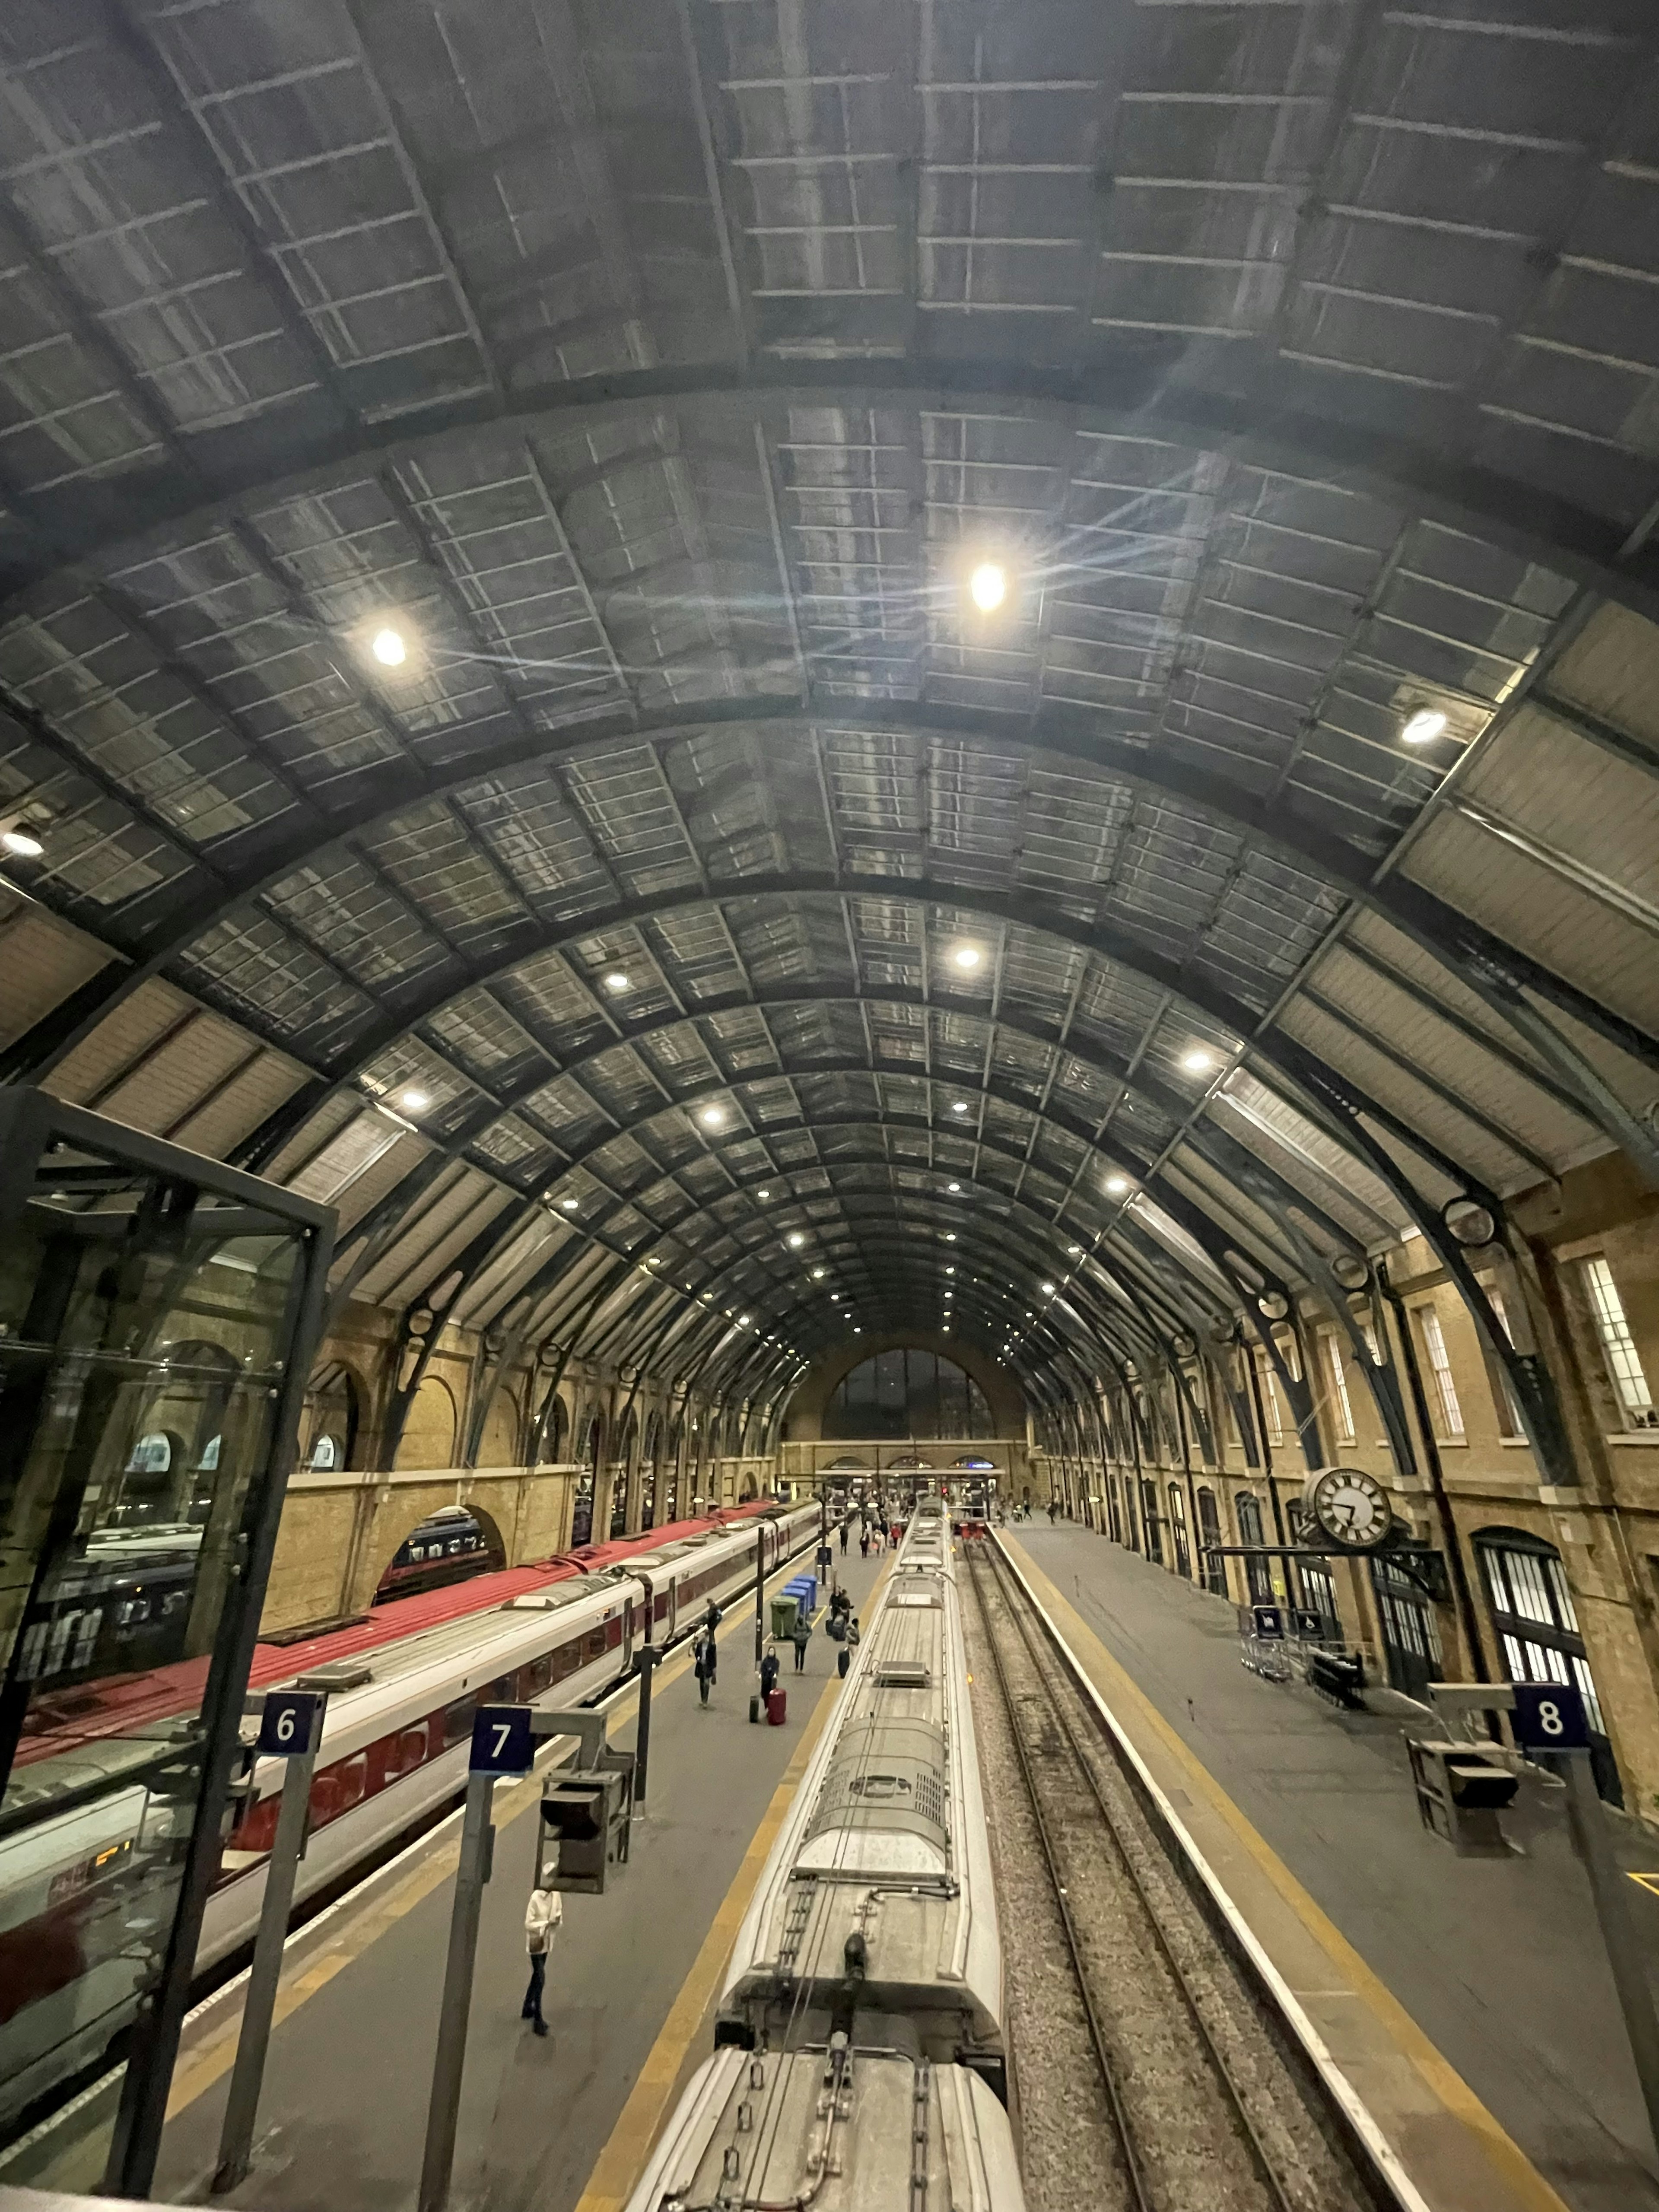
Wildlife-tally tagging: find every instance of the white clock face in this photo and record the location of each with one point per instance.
(1352, 1507)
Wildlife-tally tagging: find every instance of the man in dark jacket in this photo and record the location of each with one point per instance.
(703, 1653)
(800, 1638)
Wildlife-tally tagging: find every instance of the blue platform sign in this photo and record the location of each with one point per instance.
(1550, 1717)
(292, 1722)
(501, 1741)
(1269, 1621)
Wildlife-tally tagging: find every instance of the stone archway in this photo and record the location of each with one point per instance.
(429, 1433)
(449, 1544)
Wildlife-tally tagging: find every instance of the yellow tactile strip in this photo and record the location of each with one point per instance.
(1457, 2155)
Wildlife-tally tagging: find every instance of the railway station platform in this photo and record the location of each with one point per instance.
(560, 2122)
(1468, 2002)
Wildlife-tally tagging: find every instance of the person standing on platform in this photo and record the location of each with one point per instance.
(864, 1543)
(705, 1659)
(845, 1526)
(768, 1671)
(800, 1637)
(542, 1919)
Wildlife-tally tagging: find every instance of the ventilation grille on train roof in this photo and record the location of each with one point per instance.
(904, 1675)
(341, 1675)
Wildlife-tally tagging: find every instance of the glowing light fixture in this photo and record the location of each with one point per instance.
(712, 1118)
(1423, 727)
(569, 1204)
(415, 1102)
(1116, 1185)
(388, 648)
(1197, 1062)
(762, 1194)
(949, 1235)
(950, 1271)
(817, 1274)
(616, 981)
(967, 958)
(20, 841)
(953, 1188)
(987, 587)
(796, 1240)
(958, 1105)
(1074, 1251)
(1048, 1290)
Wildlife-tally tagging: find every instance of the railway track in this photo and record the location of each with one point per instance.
(1148, 2074)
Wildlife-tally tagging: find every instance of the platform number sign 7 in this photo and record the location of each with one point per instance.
(1550, 1717)
(501, 1741)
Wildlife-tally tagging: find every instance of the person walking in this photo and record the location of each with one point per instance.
(705, 1658)
(800, 1637)
(1053, 1511)
(542, 1919)
(864, 1542)
(845, 1526)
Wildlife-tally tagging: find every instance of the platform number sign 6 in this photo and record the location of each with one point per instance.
(1550, 1717)
(291, 1724)
(501, 1741)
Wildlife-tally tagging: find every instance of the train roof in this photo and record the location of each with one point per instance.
(64, 1720)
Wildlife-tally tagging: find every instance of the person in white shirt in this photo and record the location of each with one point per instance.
(541, 1921)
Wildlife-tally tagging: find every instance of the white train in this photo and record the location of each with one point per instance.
(91, 1834)
(861, 2058)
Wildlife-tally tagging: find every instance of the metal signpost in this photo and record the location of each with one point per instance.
(1551, 1717)
(646, 1665)
(503, 1742)
(760, 1595)
(290, 1729)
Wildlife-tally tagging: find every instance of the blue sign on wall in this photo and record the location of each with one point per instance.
(1269, 1620)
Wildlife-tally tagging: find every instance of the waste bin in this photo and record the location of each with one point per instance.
(784, 1609)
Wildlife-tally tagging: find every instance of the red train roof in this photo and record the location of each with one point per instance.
(60, 1722)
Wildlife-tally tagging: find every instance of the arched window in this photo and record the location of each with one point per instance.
(1213, 1569)
(151, 1455)
(1183, 1564)
(907, 1392)
(1538, 1630)
(1256, 1571)
(325, 1453)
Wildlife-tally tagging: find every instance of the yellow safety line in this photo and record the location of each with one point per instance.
(1437, 2071)
(621, 2163)
(212, 2057)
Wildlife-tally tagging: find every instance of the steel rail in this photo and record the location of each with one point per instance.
(1233, 2096)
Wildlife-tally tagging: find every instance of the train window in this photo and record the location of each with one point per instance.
(535, 1678)
(613, 1633)
(458, 1720)
(593, 1643)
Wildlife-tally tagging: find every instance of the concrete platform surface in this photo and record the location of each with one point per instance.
(342, 2117)
(1469, 2000)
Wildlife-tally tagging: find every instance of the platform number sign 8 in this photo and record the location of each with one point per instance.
(1550, 1717)
(501, 1741)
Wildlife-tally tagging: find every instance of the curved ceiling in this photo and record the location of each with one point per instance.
(1274, 863)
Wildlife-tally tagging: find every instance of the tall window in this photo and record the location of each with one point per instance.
(1183, 1564)
(1434, 1343)
(907, 1393)
(1270, 1404)
(1339, 1387)
(1619, 1347)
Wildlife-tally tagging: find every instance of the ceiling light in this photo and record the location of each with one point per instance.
(415, 1102)
(817, 1274)
(796, 1239)
(20, 841)
(616, 981)
(1074, 1251)
(967, 958)
(388, 648)
(1116, 1185)
(762, 1194)
(949, 1235)
(569, 1204)
(1048, 1290)
(1424, 726)
(947, 1328)
(1197, 1062)
(711, 1117)
(988, 587)
(953, 1185)
(959, 1106)
(950, 1271)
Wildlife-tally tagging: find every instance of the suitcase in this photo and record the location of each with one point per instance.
(754, 1710)
(777, 1704)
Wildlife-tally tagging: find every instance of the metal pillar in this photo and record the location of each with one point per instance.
(646, 1666)
(259, 2006)
(477, 1840)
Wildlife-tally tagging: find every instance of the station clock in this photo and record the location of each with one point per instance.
(1348, 1507)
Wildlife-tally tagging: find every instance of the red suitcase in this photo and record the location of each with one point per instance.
(777, 1704)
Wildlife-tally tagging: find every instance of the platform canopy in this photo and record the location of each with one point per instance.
(497, 498)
